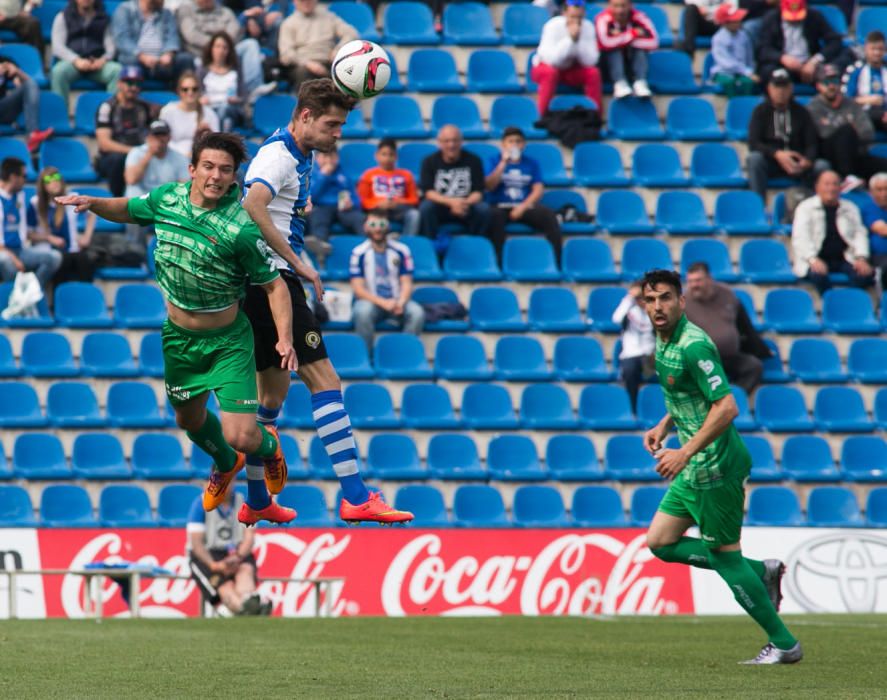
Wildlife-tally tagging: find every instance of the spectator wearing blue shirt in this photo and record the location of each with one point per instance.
(382, 280)
(146, 35)
(733, 53)
(333, 198)
(514, 184)
(16, 253)
(874, 216)
(866, 81)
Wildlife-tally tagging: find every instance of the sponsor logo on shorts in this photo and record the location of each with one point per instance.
(247, 402)
(312, 339)
(179, 393)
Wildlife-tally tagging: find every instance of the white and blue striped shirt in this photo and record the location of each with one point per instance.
(381, 271)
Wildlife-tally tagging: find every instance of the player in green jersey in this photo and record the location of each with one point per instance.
(207, 250)
(709, 470)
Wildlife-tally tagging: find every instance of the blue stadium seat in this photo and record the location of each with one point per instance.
(551, 163)
(644, 504)
(73, 405)
(808, 458)
(864, 458)
(716, 165)
(15, 507)
(39, 456)
(452, 456)
(86, 106)
(633, 119)
(712, 252)
(47, 354)
(529, 259)
(459, 111)
(297, 412)
(738, 113)
(432, 70)
(479, 505)
(428, 407)
(45, 12)
(781, 409)
(642, 254)
(833, 506)
(749, 305)
(270, 111)
(567, 102)
(572, 457)
(765, 262)
(174, 504)
(520, 358)
(66, 505)
(763, 462)
(151, 356)
(876, 507)
(515, 110)
(370, 406)
(409, 23)
(125, 506)
(54, 114)
(14, 147)
(298, 470)
(546, 407)
(359, 16)
(355, 127)
(744, 422)
(81, 305)
(440, 295)
(671, 73)
(398, 116)
(107, 355)
(394, 456)
(28, 59)
(469, 24)
(133, 405)
(879, 410)
(491, 70)
(461, 357)
(495, 309)
(514, 458)
(340, 256)
(309, 502)
(651, 405)
(588, 260)
(139, 306)
(657, 165)
(692, 119)
(560, 201)
(522, 24)
(597, 506)
(835, 17)
(488, 407)
(625, 459)
(602, 302)
(606, 407)
(539, 506)
(580, 359)
(8, 366)
(159, 97)
(839, 409)
(658, 17)
(867, 360)
(774, 506)
(870, 19)
(790, 311)
(424, 502)
(70, 157)
(158, 456)
(816, 360)
(20, 406)
(426, 267)
(348, 354)
(848, 311)
(598, 165)
(555, 310)
(471, 258)
(623, 212)
(682, 213)
(400, 356)
(355, 158)
(741, 213)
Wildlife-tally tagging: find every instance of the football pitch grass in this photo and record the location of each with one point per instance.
(513, 657)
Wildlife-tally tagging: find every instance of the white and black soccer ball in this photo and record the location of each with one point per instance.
(361, 69)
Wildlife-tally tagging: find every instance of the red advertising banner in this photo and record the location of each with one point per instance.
(393, 572)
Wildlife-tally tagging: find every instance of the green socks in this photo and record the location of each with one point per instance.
(268, 448)
(691, 550)
(211, 440)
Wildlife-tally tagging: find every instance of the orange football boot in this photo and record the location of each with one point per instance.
(374, 510)
(276, 472)
(219, 482)
(273, 513)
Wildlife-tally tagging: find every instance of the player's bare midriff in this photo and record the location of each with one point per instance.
(201, 320)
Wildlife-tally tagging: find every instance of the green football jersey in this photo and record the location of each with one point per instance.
(203, 257)
(692, 378)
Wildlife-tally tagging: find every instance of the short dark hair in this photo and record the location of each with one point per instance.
(655, 277)
(379, 213)
(318, 96)
(387, 142)
(874, 36)
(10, 167)
(513, 131)
(699, 266)
(232, 144)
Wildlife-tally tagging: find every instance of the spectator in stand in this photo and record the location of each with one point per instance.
(17, 253)
(756, 9)
(58, 227)
(733, 53)
(382, 281)
(84, 47)
(845, 131)
(874, 216)
(567, 53)
(797, 39)
(333, 199)
(452, 184)
(309, 39)
(154, 163)
(121, 124)
(828, 236)
(866, 81)
(699, 20)
(19, 95)
(188, 117)
(224, 89)
(391, 189)
(514, 183)
(625, 36)
(146, 35)
(782, 140)
(636, 358)
(261, 21)
(15, 16)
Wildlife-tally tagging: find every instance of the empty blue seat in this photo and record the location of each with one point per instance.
(159, 456)
(401, 356)
(606, 407)
(782, 409)
(491, 70)
(174, 504)
(551, 163)
(833, 506)
(712, 252)
(495, 309)
(588, 260)
(514, 458)
(469, 24)
(809, 458)
(297, 411)
(741, 213)
(737, 116)
(133, 405)
(765, 262)
(73, 405)
(744, 422)
(425, 503)
(864, 458)
(81, 305)
(86, 106)
(15, 507)
(370, 407)
(547, 407)
(626, 459)
(309, 502)
(125, 506)
(879, 410)
(440, 295)
(515, 110)
(580, 359)
(774, 506)
(47, 354)
(453, 456)
(835, 17)
(479, 505)
(623, 212)
(644, 504)
(348, 354)
(602, 302)
(340, 256)
(522, 24)
(461, 357)
(876, 507)
(816, 360)
(394, 456)
(572, 457)
(870, 19)
(848, 311)
(790, 311)
(8, 366)
(597, 506)
(633, 119)
(657, 165)
(359, 16)
(409, 23)
(716, 165)
(54, 114)
(355, 127)
(39, 456)
(555, 310)
(867, 360)
(598, 165)
(5, 466)
(294, 462)
(425, 264)
(839, 409)
(650, 406)
(671, 73)
(270, 111)
(398, 116)
(642, 254)
(488, 407)
(692, 119)
(471, 258)
(763, 462)
(107, 355)
(529, 259)
(28, 59)
(14, 147)
(459, 111)
(520, 358)
(66, 505)
(428, 407)
(539, 506)
(151, 355)
(682, 213)
(20, 406)
(70, 157)
(433, 70)
(355, 158)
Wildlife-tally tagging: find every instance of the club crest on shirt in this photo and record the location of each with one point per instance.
(670, 380)
(312, 339)
(706, 366)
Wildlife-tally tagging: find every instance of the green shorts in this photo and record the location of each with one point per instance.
(221, 360)
(717, 511)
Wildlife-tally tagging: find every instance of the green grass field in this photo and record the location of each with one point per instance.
(436, 658)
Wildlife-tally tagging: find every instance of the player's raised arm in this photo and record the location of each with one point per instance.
(109, 208)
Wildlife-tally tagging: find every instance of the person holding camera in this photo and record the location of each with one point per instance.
(638, 342)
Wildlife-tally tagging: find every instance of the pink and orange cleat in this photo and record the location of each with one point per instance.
(219, 482)
(273, 513)
(276, 472)
(375, 510)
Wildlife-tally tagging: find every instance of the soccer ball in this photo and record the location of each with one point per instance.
(361, 69)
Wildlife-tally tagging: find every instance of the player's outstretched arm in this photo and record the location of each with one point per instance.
(110, 208)
(282, 311)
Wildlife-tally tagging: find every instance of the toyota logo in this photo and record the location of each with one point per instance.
(839, 573)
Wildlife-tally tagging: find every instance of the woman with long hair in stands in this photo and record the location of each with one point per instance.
(223, 86)
(188, 117)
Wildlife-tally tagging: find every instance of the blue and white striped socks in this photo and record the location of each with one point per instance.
(334, 430)
(257, 496)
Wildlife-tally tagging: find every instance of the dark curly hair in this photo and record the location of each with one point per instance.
(669, 277)
(232, 144)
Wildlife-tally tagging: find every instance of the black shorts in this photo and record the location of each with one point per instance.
(208, 581)
(307, 339)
